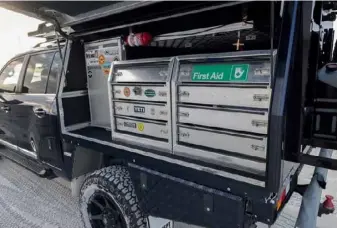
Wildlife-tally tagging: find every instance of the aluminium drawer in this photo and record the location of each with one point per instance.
(141, 92)
(253, 121)
(226, 96)
(145, 128)
(149, 111)
(236, 143)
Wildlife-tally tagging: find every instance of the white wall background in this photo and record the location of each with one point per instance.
(13, 34)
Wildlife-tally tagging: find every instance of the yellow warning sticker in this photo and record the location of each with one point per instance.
(140, 126)
(101, 59)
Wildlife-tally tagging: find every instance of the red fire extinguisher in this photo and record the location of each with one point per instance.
(138, 39)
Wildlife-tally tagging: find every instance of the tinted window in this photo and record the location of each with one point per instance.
(55, 72)
(37, 73)
(9, 77)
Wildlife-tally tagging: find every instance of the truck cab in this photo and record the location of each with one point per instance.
(28, 108)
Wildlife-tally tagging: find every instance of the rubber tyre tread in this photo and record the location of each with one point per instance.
(116, 181)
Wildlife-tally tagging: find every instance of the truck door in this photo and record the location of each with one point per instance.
(9, 78)
(35, 117)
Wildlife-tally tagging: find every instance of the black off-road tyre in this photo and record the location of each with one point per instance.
(115, 182)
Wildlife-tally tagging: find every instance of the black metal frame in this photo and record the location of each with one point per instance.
(309, 46)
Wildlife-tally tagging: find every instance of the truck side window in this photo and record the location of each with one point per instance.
(37, 73)
(9, 77)
(54, 74)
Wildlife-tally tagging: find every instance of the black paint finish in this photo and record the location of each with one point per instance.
(264, 211)
(21, 122)
(173, 198)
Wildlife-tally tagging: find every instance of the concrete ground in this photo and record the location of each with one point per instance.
(27, 200)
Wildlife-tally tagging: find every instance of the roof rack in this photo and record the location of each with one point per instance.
(50, 43)
(47, 30)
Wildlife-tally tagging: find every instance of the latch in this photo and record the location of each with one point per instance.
(117, 91)
(184, 114)
(162, 93)
(261, 97)
(165, 132)
(262, 71)
(137, 90)
(163, 113)
(257, 148)
(184, 135)
(184, 93)
(259, 123)
(118, 74)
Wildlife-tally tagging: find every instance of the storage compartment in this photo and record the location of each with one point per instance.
(143, 110)
(233, 119)
(143, 128)
(156, 93)
(235, 143)
(239, 96)
(191, 93)
(99, 56)
(140, 102)
(221, 108)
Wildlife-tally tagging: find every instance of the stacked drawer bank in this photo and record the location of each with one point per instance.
(212, 108)
(140, 102)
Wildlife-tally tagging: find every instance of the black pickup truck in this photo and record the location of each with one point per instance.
(174, 114)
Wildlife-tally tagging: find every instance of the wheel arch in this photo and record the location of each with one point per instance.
(86, 161)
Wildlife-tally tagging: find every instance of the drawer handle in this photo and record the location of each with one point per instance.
(117, 91)
(257, 148)
(184, 135)
(261, 97)
(162, 93)
(117, 74)
(259, 123)
(184, 93)
(119, 108)
(185, 114)
(165, 132)
(163, 113)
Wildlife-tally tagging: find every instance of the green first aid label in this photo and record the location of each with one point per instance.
(220, 72)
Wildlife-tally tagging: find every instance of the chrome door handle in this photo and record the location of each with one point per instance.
(39, 112)
(5, 108)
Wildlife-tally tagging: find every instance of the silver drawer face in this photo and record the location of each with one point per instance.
(149, 111)
(234, 120)
(238, 72)
(156, 73)
(141, 93)
(242, 164)
(143, 128)
(229, 96)
(242, 145)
